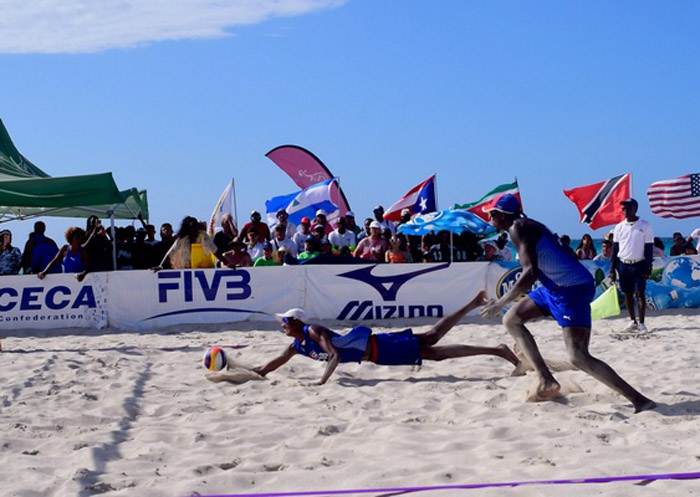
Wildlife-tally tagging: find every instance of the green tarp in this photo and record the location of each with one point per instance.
(26, 191)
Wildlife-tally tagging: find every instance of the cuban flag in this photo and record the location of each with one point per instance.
(420, 199)
(303, 203)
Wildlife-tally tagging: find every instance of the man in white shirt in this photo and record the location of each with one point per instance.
(280, 240)
(385, 223)
(695, 237)
(342, 237)
(300, 236)
(633, 247)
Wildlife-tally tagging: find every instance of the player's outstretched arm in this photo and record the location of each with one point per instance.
(277, 362)
(319, 335)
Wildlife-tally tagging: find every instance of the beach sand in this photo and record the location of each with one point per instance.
(86, 412)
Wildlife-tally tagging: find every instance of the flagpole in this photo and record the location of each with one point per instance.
(235, 203)
(436, 195)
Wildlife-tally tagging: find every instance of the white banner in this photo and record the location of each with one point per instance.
(143, 299)
(390, 291)
(58, 301)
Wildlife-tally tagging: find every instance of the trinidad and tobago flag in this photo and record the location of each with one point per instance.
(599, 203)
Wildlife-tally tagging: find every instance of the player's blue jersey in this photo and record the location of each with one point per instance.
(350, 347)
(558, 267)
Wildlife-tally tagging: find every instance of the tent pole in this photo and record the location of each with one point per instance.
(235, 203)
(114, 241)
(452, 246)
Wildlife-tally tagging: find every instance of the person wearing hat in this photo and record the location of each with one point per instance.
(374, 246)
(566, 293)
(321, 219)
(266, 259)
(254, 245)
(262, 229)
(312, 248)
(237, 256)
(283, 220)
(378, 212)
(490, 251)
(361, 345)
(632, 256)
(351, 225)
(280, 240)
(300, 236)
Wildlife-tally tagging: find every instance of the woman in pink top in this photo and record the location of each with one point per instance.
(374, 246)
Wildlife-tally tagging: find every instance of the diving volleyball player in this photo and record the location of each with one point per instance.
(566, 294)
(400, 348)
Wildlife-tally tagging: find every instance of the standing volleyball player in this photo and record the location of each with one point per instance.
(566, 294)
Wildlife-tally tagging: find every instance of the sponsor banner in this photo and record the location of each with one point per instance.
(143, 299)
(674, 282)
(358, 293)
(57, 301)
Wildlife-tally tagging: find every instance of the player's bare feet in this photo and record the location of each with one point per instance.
(548, 389)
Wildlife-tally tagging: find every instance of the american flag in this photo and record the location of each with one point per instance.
(678, 198)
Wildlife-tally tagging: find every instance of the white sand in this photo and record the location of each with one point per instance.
(89, 412)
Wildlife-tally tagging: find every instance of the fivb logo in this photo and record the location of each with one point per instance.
(183, 284)
(388, 287)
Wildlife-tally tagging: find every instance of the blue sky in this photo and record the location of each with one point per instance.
(178, 97)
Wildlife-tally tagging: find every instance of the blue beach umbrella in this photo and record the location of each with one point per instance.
(454, 221)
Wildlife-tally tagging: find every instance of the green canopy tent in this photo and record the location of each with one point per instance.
(27, 192)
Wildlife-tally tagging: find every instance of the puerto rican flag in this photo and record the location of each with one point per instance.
(420, 199)
(599, 203)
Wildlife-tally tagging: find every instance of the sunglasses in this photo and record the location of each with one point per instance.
(286, 320)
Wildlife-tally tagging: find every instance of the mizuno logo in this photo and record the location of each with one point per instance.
(387, 286)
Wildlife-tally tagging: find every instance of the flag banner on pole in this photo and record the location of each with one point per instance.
(306, 170)
(223, 206)
(606, 305)
(420, 199)
(599, 204)
(678, 198)
(304, 203)
(486, 201)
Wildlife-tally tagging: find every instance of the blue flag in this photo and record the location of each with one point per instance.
(303, 203)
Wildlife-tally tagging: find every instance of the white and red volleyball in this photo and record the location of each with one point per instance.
(215, 359)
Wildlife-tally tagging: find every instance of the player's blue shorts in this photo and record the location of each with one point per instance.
(569, 306)
(395, 349)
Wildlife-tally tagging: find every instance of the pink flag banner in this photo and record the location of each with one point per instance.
(306, 169)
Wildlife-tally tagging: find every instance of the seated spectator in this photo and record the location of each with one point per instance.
(504, 250)
(490, 251)
(365, 232)
(280, 240)
(326, 247)
(42, 250)
(585, 250)
(659, 250)
(266, 259)
(384, 223)
(228, 233)
(374, 246)
(679, 242)
(442, 250)
(10, 256)
(342, 237)
(74, 256)
(321, 219)
(397, 253)
(565, 241)
(605, 251)
(125, 247)
(237, 256)
(151, 235)
(351, 226)
(191, 240)
(312, 248)
(254, 245)
(262, 229)
(405, 217)
(300, 236)
(319, 232)
(283, 219)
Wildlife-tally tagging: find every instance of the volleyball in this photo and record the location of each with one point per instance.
(215, 359)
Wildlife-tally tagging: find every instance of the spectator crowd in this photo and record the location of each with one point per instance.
(316, 240)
